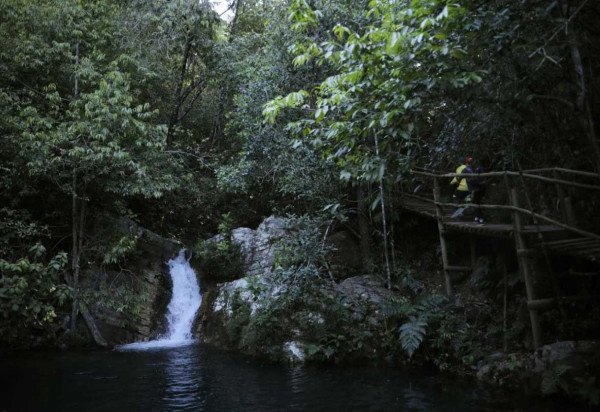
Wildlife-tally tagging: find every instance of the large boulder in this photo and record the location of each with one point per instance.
(258, 246)
(367, 288)
(559, 368)
(287, 314)
(260, 315)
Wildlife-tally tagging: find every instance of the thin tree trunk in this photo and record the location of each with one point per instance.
(75, 220)
(174, 118)
(392, 232)
(582, 100)
(238, 6)
(363, 229)
(384, 221)
(505, 309)
(74, 252)
(91, 324)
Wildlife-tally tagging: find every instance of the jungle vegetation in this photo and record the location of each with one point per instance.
(171, 115)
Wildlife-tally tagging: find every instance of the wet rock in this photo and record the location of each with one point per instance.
(553, 368)
(143, 275)
(258, 246)
(238, 304)
(236, 312)
(367, 287)
(548, 355)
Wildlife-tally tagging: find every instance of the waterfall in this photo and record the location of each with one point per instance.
(182, 308)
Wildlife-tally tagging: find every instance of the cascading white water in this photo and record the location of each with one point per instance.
(182, 308)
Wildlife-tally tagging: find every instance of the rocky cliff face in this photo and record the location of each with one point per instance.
(258, 246)
(129, 302)
(268, 313)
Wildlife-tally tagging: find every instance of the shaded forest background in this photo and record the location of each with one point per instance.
(164, 113)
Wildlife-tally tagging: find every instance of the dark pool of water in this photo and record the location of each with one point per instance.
(198, 378)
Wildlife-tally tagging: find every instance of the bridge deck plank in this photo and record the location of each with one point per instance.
(568, 244)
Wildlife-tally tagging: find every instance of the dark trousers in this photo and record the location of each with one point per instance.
(460, 195)
(477, 199)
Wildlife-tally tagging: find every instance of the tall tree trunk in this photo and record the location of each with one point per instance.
(75, 251)
(363, 228)
(384, 220)
(75, 219)
(178, 101)
(238, 7)
(582, 99)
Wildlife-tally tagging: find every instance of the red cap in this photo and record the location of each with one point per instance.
(468, 160)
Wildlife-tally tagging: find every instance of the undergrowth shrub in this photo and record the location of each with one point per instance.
(220, 258)
(31, 295)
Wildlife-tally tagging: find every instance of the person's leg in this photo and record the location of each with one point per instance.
(477, 199)
(461, 195)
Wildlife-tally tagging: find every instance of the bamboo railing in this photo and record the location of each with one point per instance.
(512, 180)
(512, 207)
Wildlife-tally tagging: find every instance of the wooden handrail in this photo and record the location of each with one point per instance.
(559, 181)
(485, 174)
(577, 172)
(511, 208)
(525, 211)
(509, 173)
(564, 170)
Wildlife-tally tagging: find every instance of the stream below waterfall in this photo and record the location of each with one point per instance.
(200, 378)
(176, 373)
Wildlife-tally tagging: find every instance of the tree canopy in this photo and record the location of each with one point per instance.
(165, 113)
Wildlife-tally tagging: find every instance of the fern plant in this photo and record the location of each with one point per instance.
(412, 334)
(553, 379)
(396, 307)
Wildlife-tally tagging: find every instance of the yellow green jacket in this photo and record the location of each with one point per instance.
(462, 183)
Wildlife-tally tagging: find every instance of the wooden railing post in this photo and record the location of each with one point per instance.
(442, 234)
(526, 268)
(561, 198)
(566, 207)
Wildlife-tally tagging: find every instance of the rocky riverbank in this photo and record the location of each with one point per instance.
(291, 316)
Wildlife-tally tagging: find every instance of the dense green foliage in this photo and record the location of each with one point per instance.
(30, 293)
(164, 113)
(220, 257)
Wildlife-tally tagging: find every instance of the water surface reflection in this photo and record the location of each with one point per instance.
(203, 379)
(183, 383)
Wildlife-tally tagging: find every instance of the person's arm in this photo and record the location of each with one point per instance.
(455, 181)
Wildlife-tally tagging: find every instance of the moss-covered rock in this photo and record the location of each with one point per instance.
(302, 320)
(567, 368)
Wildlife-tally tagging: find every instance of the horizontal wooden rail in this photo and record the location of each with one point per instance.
(563, 170)
(511, 208)
(459, 268)
(425, 199)
(550, 302)
(527, 212)
(509, 173)
(559, 181)
(484, 174)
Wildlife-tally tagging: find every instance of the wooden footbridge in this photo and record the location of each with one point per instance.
(521, 213)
